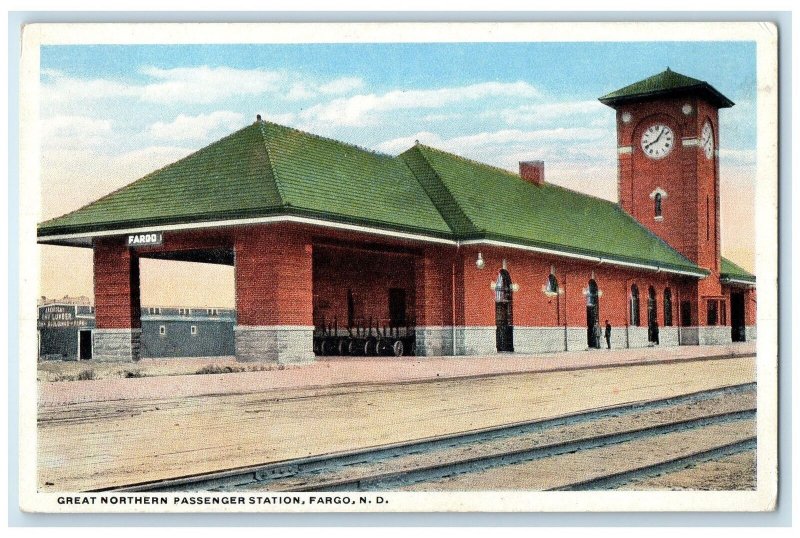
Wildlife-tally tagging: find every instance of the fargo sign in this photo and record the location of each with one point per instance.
(145, 239)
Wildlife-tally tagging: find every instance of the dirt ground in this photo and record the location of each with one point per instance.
(566, 469)
(88, 445)
(737, 472)
(57, 371)
(611, 424)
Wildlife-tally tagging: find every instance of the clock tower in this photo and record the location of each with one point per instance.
(668, 168)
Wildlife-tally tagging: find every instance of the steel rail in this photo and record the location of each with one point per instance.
(265, 473)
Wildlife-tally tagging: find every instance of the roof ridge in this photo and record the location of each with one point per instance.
(144, 177)
(456, 212)
(516, 175)
(329, 139)
(471, 161)
(265, 139)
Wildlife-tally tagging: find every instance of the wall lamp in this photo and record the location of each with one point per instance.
(479, 263)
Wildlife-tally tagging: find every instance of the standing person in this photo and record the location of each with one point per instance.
(608, 334)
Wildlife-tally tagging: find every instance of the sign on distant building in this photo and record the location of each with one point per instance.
(145, 239)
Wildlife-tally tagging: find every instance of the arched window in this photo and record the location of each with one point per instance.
(502, 287)
(635, 305)
(657, 201)
(591, 297)
(668, 307)
(552, 284)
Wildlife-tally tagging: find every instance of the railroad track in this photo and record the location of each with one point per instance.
(725, 414)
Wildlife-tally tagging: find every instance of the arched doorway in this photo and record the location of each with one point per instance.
(652, 316)
(592, 315)
(504, 311)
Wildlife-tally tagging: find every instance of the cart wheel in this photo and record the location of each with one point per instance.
(370, 347)
(343, 347)
(353, 348)
(397, 348)
(413, 349)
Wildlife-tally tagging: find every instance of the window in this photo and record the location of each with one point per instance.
(154, 310)
(657, 201)
(716, 312)
(193, 330)
(162, 330)
(668, 307)
(552, 284)
(635, 305)
(211, 311)
(711, 314)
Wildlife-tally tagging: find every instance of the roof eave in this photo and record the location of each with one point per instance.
(704, 88)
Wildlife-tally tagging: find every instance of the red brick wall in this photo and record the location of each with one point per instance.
(690, 211)
(116, 285)
(532, 307)
(273, 276)
(368, 275)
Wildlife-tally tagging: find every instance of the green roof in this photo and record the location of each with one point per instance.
(729, 270)
(496, 204)
(267, 169)
(666, 82)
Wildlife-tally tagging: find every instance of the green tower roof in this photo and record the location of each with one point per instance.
(666, 83)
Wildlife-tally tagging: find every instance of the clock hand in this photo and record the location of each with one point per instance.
(661, 132)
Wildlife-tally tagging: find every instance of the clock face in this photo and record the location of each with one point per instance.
(707, 140)
(657, 141)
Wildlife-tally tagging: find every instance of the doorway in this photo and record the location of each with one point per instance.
(686, 314)
(652, 316)
(592, 316)
(84, 345)
(504, 312)
(738, 330)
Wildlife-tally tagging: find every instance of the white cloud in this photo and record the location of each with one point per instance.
(198, 84)
(360, 110)
(542, 113)
(205, 84)
(199, 127)
(399, 145)
(74, 132)
(342, 85)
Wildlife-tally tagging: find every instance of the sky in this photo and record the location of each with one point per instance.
(111, 114)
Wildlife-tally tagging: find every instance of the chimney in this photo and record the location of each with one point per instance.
(532, 171)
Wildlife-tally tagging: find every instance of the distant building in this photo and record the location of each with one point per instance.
(66, 328)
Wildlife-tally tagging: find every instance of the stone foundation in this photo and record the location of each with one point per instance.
(116, 345)
(637, 337)
(714, 335)
(279, 344)
(668, 336)
(476, 340)
(750, 333)
(434, 341)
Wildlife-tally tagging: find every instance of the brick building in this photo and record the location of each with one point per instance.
(474, 258)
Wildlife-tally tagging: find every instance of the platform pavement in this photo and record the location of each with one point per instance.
(333, 371)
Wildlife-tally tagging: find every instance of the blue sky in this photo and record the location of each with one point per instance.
(110, 114)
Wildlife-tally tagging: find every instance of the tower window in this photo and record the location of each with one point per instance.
(657, 203)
